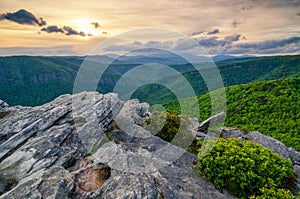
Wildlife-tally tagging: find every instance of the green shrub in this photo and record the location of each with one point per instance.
(243, 167)
(272, 193)
(171, 124)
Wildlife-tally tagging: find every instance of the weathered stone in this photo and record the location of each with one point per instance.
(92, 178)
(274, 145)
(3, 106)
(55, 182)
(296, 170)
(227, 132)
(43, 153)
(211, 122)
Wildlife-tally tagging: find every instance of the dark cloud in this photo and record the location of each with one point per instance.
(235, 23)
(215, 41)
(269, 44)
(211, 41)
(232, 38)
(215, 31)
(196, 33)
(96, 25)
(67, 30)
(247, 7)
(280, 3)
(70, 31)
(23, 17)
(279, 46)
(51, 29)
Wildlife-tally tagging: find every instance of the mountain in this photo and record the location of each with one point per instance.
(233, 72)
(270, 107)
(28, 80)
(152, 55)
(228, 57)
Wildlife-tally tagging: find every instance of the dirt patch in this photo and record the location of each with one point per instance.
(93, 178)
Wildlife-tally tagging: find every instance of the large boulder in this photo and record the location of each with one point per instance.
(211, 122)
(274, 145)
(90, 145)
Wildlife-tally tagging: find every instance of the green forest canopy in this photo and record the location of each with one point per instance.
(271, 107)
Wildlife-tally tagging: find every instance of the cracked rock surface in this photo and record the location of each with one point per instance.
(90, 145)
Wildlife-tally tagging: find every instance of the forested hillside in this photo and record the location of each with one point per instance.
(27, 80)
(34, 80)
(233, 72)
(271, 107)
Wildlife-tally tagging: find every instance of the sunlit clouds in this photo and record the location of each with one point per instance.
(221, 27)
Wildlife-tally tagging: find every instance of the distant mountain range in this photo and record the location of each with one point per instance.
(34, 80)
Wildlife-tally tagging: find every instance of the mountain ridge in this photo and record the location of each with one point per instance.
(268, 106)
(23, 78)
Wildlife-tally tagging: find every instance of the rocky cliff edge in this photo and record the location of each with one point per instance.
(64, 149)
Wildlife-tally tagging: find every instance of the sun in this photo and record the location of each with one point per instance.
(86, 26)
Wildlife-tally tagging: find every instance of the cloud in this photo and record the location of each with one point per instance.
(197, 33)
(51, 29)
(235, 23)
(67, 30)
(70, 31)
(23, 16)
(230, 44)
(96, 25)
(215, 31)
(279, 46)
(51, 50)
(214, 41)
(247, 7)
(232, 38)
(140, 45)
(125, 47)
(211, 41)
(269, 44)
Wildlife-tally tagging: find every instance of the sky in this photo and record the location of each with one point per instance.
(220, 27)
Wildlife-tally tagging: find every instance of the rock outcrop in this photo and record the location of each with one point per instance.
(264, 140)
(3, 105)
(90, 145)
(210, 122)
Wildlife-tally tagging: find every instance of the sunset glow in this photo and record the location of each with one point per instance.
(222, 27)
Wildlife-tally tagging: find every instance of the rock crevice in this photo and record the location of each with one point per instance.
(61, 150)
